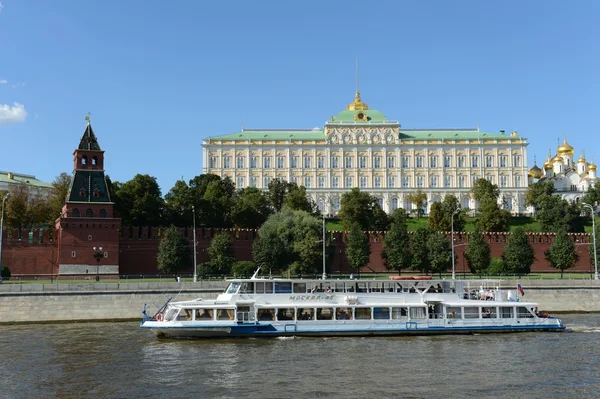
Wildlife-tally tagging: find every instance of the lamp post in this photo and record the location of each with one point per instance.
(1, 231)
(195, 263)
(98, 254)
(594, 238)
(452, 239)
(324, 270)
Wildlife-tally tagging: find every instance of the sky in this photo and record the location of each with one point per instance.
(159, 77)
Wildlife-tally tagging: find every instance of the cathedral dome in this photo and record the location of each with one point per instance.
(566, 149)
(592, 166)
(581, 159)
(556, 158)
(535, 172)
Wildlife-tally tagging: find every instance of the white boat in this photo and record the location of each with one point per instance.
(259, 307)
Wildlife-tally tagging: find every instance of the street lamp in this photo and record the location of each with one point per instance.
(195, 263)
(324, 271)
(98, 254)
(1, 231)
(594, 237)
(452, 227)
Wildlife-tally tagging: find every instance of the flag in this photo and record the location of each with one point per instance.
(520, 289)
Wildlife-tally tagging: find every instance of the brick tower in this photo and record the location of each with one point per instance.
(87, 219)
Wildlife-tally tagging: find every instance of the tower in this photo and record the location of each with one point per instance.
(87, 220)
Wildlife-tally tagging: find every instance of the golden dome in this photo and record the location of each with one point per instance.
(535, 172)
(592, 166)
(556, 158)
(566, 149)
(357, 105)
(581, 159)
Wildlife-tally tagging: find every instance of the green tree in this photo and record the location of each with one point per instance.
(250, 209)
(179, 201)
(484, 189)
(361, 207)
(440, 215)
(555, 214)
(278, 189)
(477, 254)
(518, 255)
(173, 251)
(439, 252)
(380, 221)
(420, 250)
(297, 199)
(538, 192)
(139, 202)
(217, 203)
(358, 247)
(491, 217)
(436, 215)
(58, 195)
(24, 209)
(562, 255)
(396, 243)
(221, 253)
(418, 199)
(593, 194)
(243, 268)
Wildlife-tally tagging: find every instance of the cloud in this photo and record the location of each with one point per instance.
(1, 6)
(3, 81)
(14, 114)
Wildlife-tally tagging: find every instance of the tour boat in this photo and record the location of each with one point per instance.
(264, 307)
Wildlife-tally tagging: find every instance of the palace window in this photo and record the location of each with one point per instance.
(489, 161)
(508, 203)
(517, 161)
(348, 181)
(461, 161)
(320, 162)
(336, 204)
(294, 179)
(461, 181)
(321, 181)
(475, 161)
(380, 202)
(447, 159)
(489, 178)
(240, 182)
(307, 181)
(518, 181)
(377, 181)
(503, 181)
(377, 162)
(334, 161)
(420, 181)
(405, 181)
(363, 182)
(419, 161)
(348, 162)
(280, 162)
(447, 181)
(253, 181)
(307, 162)
(391, 181)
(213, 162)
(253, 162)
(405, 161)
(394, 203)
(266, 181)
(227, 162)
(502, 161)
(362, 162)
(433, 161)
(239, 162)
(335, 182)
(294, 162)
(433, 181)
(391, 161)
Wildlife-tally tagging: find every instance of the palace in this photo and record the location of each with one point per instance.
(360, 147)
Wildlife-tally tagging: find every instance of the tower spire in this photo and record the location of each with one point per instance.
(357, 75)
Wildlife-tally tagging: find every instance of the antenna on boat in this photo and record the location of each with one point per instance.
(255, 274)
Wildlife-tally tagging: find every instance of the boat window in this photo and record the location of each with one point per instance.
(523, 312)
(471, 312)
(266, 314)
(283, 287)
(417, 313)
(306, 314)
(339, 287)
(388, 287)
(243, 313)
(324, 313)
(488, 313)
(361, 287)
(246, 288)
(204, 314)
(232, 288)
(170, 314)
(506, 312)
(299, 288)
(400, 313)
(286, 314)
(343, 314)
(225, 314)
(349, 287)
(185, 315)
(264, 287)
(362, 313)
(375, 287)
(381, 313)
(453, 312)
(399, 287)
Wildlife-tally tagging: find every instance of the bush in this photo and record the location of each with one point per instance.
(496, 266)
(243, 268)
(5, 272)
(204, 269)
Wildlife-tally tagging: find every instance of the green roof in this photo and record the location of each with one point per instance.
(292, 134)
(18, 178)
(88, 186)
(372, 116)
(452, 134)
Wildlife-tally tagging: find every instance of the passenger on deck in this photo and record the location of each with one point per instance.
(465, 294)
(328, 290)
(205, 315)
(313, 290)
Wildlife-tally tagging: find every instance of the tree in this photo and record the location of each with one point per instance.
(250, 208)
(380, 221)
(561, 255)
(173, 251)
(361, 207)
(179, 201)
(243, 268)
(418, 200)
(358, 247)
(518, 255)
(217, 203)
(396, 243)
(593, 194)
(484, 189)
(439, 252)
(139, 202)
(537, 192)
(436, 215)
(420, 250)
(25, 209)
(591, 251)
(440, 215)
(221, 253)
(278, 189)
(555, 213)
(477, 254)
(58, 195)
(491, 217)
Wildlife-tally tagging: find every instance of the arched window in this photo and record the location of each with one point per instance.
(94, 160)
(82, 192)
(84, 160)
(336, 204)
(102, 213)
(465, 202)
(89, 213)
(75, 213)
(380, 202)
(96, 193)
(394, 203)
(322, 204)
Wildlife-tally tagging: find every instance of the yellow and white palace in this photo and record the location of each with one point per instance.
(361, 148)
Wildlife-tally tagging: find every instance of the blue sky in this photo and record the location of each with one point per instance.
(158, 77)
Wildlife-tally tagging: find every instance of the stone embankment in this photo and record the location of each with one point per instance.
(42, 303)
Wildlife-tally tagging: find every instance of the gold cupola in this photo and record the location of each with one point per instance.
(581, 159)
(535, 172)
(565, 149)
(357, 104)
(548, 163)
(592, 166)
(557, 158)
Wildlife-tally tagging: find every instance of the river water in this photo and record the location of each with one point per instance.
(121, 360)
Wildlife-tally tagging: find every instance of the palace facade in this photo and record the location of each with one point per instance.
(360, 147)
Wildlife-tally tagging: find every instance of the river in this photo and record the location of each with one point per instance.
(121, 360)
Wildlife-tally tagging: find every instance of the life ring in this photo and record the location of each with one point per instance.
(159, 317)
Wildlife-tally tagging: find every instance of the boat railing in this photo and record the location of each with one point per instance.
(245, 317)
